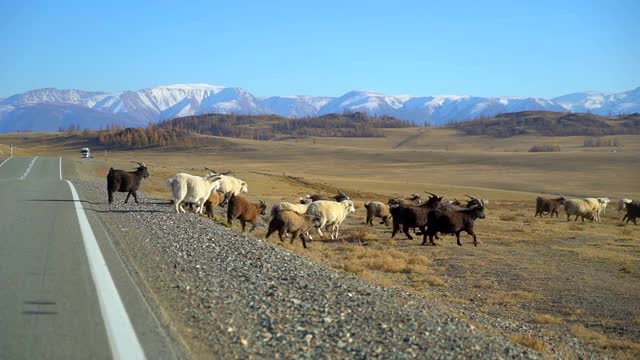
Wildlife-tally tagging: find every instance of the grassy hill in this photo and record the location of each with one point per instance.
(181, 131)
(547, 123)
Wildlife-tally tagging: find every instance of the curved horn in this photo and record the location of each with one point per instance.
(473, 198)
(139, 163)
(434, 194)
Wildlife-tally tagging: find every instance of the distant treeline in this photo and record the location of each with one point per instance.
(179, 131)
(551, 124)
(142, 137)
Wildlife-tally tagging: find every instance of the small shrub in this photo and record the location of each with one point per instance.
(546, 319)
(529, 341)
(545, 148)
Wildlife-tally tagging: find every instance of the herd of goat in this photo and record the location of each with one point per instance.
(431, 217)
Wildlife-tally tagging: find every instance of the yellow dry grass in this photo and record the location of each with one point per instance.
(529, 341)
(623, 349)
(546, 319)
(524, 265)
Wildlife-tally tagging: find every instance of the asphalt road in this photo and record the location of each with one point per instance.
(64, 291)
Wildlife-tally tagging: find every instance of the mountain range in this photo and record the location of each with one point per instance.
(51, 109)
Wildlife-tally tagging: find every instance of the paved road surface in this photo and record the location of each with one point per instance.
(57, 299)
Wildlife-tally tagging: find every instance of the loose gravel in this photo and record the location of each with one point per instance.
(237, 296)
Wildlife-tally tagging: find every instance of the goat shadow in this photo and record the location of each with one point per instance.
(63, 200)
(126, 211)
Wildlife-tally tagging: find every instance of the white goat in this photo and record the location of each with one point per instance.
(230, 184)
(598, 205)
(283, 205)
(194, 189)
(580, 207)
(330, 213)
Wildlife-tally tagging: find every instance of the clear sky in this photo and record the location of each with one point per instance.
(485, 48)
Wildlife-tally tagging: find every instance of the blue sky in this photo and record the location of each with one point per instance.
(485, 48)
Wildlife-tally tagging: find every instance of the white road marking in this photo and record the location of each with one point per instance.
(26, 172)
(122, 337)
(9, 158)
(60, 167)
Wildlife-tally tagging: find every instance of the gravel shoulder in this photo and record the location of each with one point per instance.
(234, 296)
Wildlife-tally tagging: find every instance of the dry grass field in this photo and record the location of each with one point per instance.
(543, 282)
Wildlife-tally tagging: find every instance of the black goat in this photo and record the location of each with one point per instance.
(338, 197)
(546, 206)
(453, 222)
(126, 181)
(412, 216)
(633, 212)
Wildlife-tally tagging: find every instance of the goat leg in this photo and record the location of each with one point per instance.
(127, 198)
(293, 236)
(472, 233)
(395, 230)
(405, 229)
(304, 243)
(431, 242)
(458, 238)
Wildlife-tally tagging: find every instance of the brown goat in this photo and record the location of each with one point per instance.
(548, 206)
(291, 222)
(215, 199)
(240, 208)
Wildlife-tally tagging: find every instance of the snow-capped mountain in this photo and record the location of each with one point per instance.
(601, 103)
(295, 106)
(370, 102)
(50, 109)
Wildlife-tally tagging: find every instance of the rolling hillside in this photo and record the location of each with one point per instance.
(551, 124)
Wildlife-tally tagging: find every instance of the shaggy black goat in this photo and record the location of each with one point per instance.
(412, 216)
(453, 222)
(126, 181)
(633, 211)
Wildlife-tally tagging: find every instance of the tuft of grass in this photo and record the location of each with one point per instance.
(512, 297)
(220, 220)
(628, 347)
(484, 284)
(627, 231)
(546, 319)
(508, 217)
(434, 280)
(576, 227)
(357, 235)
(529, 342)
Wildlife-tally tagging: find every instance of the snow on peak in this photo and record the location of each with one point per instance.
(167, 101)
